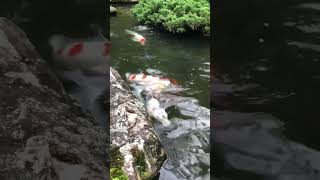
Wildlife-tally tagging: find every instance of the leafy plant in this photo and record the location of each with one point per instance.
(176, 16)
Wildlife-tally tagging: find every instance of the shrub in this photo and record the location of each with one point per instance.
(176, 16)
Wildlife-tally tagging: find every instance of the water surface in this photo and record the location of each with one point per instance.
(186, 59)
(267, 60)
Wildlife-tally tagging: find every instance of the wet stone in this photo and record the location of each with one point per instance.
(44, 133)
(132, 132)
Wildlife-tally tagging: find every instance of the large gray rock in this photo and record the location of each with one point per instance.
(44, 133)
(132, 132)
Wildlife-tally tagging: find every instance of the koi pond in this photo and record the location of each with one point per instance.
(185, 59)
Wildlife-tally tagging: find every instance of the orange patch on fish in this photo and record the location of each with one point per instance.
(173, 81)
(133, 76)
(144, 76)
(75, 49)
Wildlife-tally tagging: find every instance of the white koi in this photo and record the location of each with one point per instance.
(136, 37)
(155, 110)
(84, 54)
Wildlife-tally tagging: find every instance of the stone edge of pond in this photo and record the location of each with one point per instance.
(132, 132)
(45, 134)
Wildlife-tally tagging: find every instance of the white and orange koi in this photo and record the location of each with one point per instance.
(136, 37)
(150, 79)
(85, 54)
(152, 83)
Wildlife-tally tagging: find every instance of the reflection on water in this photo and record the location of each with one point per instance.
(266, 96)
(185, 59)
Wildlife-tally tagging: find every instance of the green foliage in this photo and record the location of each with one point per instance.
(116, 164)
(118, 174)
(176, 16)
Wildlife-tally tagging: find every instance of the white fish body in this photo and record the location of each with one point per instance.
(136, 37)
(82, 54)
(151, 83)
(156, 111)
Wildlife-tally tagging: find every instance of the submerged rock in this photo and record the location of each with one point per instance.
(252, 145)
(132, 132)
(44, 133)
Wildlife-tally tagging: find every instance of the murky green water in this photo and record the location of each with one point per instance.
(267, 62)
(186, 59)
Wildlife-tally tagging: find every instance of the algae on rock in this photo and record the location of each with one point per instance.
(131, 128)
(116, 164)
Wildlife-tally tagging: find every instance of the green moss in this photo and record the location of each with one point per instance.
(140, 163)
(155, 149)
(118, 174)
(117, 159)
(116, 164)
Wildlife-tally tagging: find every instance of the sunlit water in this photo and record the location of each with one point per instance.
(185, 59)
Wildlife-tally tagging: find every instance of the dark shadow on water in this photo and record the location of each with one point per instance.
(266, 57)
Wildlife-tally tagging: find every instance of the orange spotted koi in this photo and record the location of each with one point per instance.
(143, 78)
(76, 49)
(80, 53)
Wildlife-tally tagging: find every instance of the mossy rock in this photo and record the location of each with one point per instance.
(140, 164)
(116, 164)
(118, 174)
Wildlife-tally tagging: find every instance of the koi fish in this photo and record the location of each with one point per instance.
(150, 79)
(84, 54)
(136, 37)
(155, 110)
(153, 83)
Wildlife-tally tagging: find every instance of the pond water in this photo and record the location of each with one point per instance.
(267, 62)
(185, 59)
